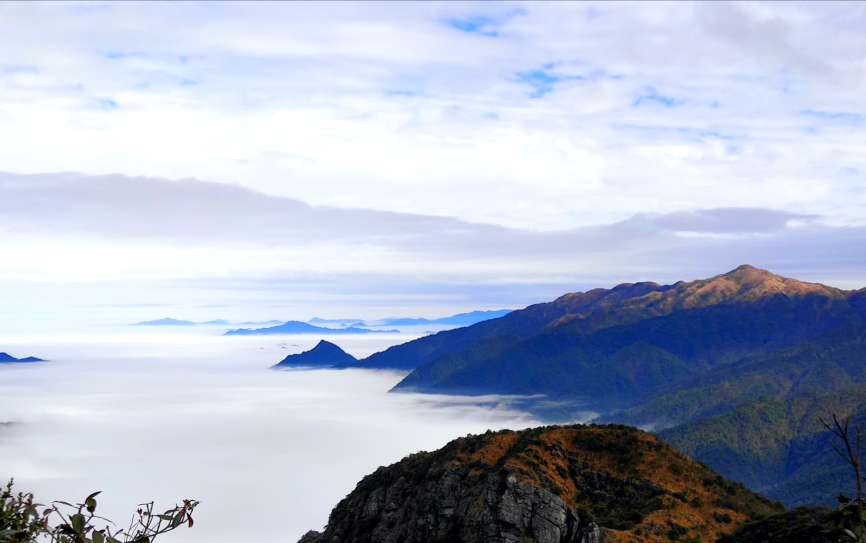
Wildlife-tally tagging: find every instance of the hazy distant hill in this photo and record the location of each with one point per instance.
(577, 484)
(324, 355)
(6, 358)
(339, 322)
(734, 369)
(460, 319)
(298, 327)
(167, 321)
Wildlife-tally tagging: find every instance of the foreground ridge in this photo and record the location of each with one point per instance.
(555, 484)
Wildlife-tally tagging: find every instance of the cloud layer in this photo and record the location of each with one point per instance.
(570, 114)
(124, 228)
(423, 154)
(162, 419)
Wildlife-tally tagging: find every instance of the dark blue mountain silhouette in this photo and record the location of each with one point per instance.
(324, 355)
(6, 358)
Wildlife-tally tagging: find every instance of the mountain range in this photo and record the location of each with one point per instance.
(168, 321)
(460, 319)
(339, 322)
(735, 369)
(326, 325)
(298, 327)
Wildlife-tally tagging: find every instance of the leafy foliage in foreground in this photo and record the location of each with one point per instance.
(22, 520)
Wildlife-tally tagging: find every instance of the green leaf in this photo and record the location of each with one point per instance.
(98, 537)
(90, 502)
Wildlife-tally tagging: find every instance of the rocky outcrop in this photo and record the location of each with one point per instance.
(500, 508)
(575, 484)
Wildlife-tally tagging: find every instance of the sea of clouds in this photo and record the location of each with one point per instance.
(167, 415)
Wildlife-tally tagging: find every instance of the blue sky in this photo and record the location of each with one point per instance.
(525, 118)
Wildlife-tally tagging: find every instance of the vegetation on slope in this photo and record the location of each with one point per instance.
(757, 421)
(627, 482)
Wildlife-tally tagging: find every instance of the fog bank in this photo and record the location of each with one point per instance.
(167, 416)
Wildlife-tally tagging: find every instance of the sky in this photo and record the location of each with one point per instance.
(288, 160)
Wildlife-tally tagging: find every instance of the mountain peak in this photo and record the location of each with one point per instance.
(325, 345)
(750, 273)
(324, 355)
(748, 283)
(748, 268)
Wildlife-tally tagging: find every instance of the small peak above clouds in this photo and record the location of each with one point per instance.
(324, 355)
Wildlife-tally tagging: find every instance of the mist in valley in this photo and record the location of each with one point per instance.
(167, 415)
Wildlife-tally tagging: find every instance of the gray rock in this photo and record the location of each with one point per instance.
(454, 506)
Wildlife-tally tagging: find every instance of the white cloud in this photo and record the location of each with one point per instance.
(110, 228)
(204, 418)
(571, 145)
(391, 107)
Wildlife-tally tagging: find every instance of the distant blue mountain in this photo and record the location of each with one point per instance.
(271, 322)
(460, 319)
(298, 327)
(166, 322)
(354, 326)
(339, 322)
(324, 355)
(6, 358)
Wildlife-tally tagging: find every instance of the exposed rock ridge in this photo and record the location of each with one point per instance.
(574, 484)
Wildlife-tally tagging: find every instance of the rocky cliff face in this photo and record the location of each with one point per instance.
(574, 484)
(498, 507)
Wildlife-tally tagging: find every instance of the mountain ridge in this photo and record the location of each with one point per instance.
(299, 327)
(604, 333)
(598, 308)
(572, 484)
